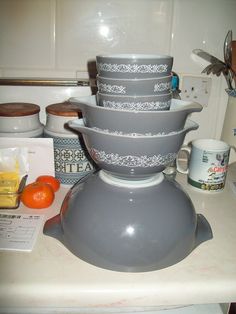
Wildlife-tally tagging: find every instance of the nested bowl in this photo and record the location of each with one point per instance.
(140, 103)
(132, 157)
(134, 87)
(135, 122)
(134, 65)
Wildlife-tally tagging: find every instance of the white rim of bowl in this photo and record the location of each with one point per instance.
(132, 56)
(189, 124)
(135, 79)
(135, 96)
(142, 183)
(142, 112)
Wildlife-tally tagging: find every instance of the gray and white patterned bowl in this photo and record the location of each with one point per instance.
(134, 65)
(134, 87)
(140, 103)
(133, 157)
(135, 122)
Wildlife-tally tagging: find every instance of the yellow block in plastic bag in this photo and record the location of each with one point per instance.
(9, 185)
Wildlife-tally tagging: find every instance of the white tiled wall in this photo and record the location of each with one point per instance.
(27, 34)
(57, 38)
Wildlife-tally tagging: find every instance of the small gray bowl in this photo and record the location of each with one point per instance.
(134, 65)
(134, 87)
(135, 122)
(140, 103)
(133, 157)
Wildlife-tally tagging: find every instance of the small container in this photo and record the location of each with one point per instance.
(72, 161)
(11, 199)
(19, 119)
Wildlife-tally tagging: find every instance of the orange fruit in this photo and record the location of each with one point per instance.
(54, 182)
(37, 195)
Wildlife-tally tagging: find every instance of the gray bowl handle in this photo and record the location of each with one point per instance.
(194, 107)
(203, 231)
(53, 228)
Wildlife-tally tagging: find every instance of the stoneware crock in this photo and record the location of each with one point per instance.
(71, 159)
(128, 226)
(141, 122)
(18, 119)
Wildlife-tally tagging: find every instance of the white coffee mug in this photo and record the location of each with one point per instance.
(207, 164)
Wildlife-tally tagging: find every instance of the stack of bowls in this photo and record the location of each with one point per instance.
(127, 216)
(134, 81)
(125, 137)
(133, 144)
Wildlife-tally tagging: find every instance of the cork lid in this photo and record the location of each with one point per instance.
(65, 109)
(18, 109)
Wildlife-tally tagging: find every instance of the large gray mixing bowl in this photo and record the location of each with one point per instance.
(134, 65)
(140, 122)
(133, 157)
(129, 228)
(140, 103)
(134, 87)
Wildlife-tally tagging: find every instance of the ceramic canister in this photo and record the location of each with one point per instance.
(72, 161)
(18, 119)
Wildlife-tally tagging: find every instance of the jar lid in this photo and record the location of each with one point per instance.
(18, 109)
(65, 109)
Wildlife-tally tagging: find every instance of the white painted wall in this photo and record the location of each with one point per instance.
(57, 38)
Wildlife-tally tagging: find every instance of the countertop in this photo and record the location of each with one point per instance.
(52, 277)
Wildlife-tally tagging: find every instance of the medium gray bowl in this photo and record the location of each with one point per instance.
(138, 103)
(135, 122)
(132, 157)
(134, 65)
(128, 227)
(134, 87)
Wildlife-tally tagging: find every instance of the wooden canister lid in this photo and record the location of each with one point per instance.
(18, 109)
(65, 109)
